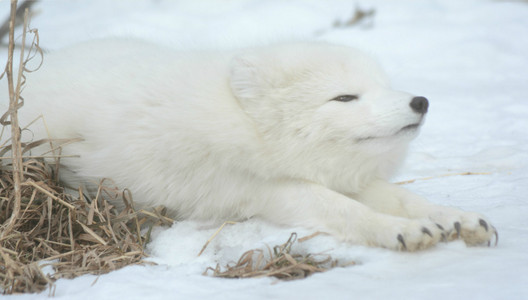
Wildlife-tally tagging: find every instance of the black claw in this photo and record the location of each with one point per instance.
(402, 241)
(444, 237)
(440, 226)
(496, 236)
(483, 224)
(426, 231)
(458, 229)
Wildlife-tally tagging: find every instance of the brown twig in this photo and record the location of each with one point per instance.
(358, 16)
(214, 235)
(443, 175)
(311, 236)
(4, 29)
(14, 96)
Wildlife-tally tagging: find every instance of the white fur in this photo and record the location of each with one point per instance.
(240, 134)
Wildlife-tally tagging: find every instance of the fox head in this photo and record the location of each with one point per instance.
(324, 92)
(331, 102)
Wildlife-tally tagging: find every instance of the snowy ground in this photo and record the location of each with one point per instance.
(470, 58)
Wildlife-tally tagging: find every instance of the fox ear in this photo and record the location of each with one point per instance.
(247, 79)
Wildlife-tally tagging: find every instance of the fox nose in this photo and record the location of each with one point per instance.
(419, 104)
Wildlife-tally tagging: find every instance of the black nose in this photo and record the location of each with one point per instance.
(419, 104)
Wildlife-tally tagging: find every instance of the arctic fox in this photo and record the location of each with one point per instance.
(300, 134)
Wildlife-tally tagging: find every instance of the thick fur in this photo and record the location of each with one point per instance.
(248, 133)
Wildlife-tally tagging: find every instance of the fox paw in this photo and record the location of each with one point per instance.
(473, 228)
(409, 235)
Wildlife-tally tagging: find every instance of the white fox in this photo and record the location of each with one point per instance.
(300, 134)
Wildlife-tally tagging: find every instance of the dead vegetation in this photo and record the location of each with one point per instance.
(281, 263)
(74, 235)
(443, 175)
(19, 17)
(357, 17)
(42, 225)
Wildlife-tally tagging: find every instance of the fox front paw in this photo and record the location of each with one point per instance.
(473, 228)
(408, 235)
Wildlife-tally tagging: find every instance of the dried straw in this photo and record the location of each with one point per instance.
(443, 175)
(214, 235)
(281, 263)
(75, 235)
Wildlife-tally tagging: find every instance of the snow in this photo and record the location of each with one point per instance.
(469, 58)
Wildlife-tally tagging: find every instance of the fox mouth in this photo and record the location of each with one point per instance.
(404, 130)
(407, 128)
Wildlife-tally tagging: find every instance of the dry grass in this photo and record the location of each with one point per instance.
(442, 175)
(75, 235)
(280, 263)
(358, 16)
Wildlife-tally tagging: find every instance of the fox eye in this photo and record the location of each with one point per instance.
(345, 98)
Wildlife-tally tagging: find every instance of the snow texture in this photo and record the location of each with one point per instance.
(469, 58)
